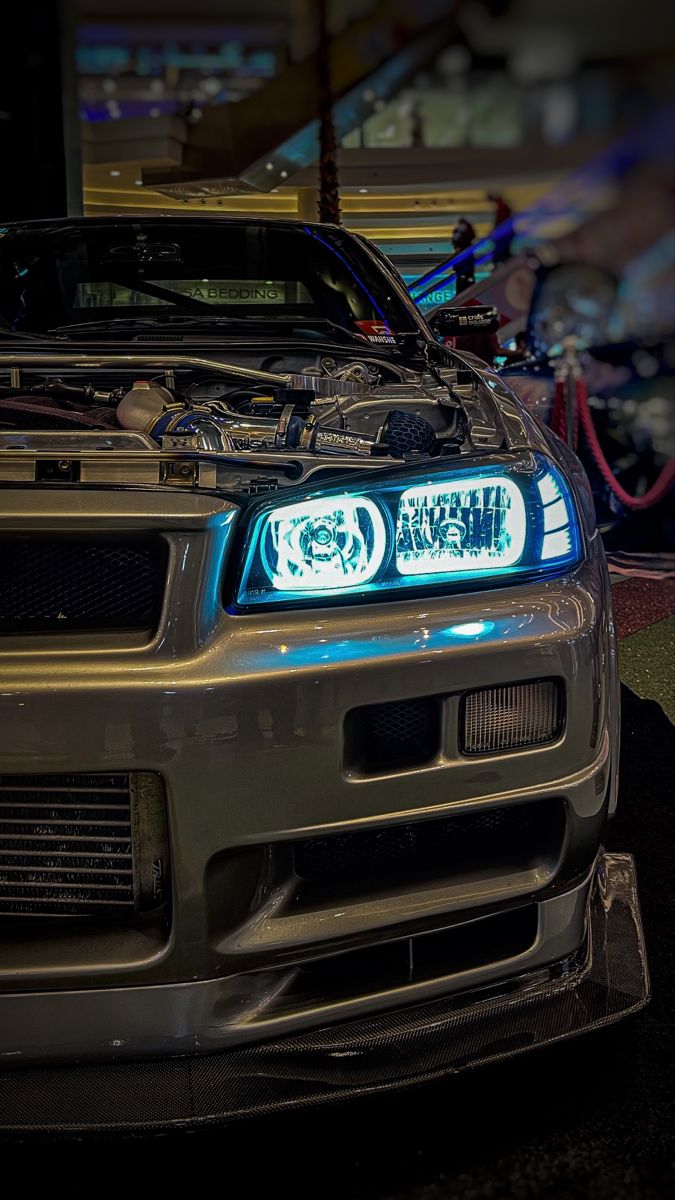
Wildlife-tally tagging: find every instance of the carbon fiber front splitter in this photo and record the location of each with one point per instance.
(607, 980)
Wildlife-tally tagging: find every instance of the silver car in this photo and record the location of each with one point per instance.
(309, 702)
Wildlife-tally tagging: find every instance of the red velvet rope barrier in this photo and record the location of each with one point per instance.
(559, 415)
(657, 491)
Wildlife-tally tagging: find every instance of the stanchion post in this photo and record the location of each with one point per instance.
(568, 373)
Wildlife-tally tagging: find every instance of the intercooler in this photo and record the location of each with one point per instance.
(81, 845)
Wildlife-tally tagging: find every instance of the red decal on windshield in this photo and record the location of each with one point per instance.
(377, 331)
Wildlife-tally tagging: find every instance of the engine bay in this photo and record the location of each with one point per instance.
(351, 412)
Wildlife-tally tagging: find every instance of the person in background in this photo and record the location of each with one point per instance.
(416, 126)
(463, 236)
(502, 237)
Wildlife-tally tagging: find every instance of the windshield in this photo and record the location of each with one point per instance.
(62, 275)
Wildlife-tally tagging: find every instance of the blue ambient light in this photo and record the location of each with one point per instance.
(440, 527)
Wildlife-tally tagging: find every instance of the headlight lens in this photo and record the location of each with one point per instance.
(328, 543)
(473, 524)
(443, 528)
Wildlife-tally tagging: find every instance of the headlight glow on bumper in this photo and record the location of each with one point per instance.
(440, 527)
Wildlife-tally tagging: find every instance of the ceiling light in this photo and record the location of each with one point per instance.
(211, 86)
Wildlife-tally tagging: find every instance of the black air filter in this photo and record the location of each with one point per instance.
(406, 433)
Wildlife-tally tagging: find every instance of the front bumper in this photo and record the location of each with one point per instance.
(605, 980)
(243, 719)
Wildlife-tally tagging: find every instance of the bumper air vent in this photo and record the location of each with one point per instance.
(515, 838)
(398, 734)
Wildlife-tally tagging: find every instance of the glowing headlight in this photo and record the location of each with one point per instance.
(331, 544)
(445, 527)
(468, 525)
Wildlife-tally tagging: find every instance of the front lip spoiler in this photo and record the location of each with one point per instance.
(605, 981)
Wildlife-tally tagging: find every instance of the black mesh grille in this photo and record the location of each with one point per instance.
(65, 845)
(68, 585)
(399, 733)
(519, 834)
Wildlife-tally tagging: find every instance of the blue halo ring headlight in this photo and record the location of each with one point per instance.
(327, 544)
(443, 527)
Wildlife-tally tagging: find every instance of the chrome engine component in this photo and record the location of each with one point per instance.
(154, 411)
(58, 362)
(329, 385)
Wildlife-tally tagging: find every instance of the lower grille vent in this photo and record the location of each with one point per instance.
(516, 837)
(390, 965)
(81, 845)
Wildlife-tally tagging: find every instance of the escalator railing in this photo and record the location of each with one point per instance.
(263, 139)
(570, 203)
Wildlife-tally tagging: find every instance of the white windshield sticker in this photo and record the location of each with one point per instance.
(208, 291)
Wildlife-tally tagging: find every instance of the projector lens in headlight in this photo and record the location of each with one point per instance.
(439, 527)
(332, 543)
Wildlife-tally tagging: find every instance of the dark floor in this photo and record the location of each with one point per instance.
(591, 1119)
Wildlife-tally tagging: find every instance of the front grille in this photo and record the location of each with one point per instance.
(78, 845)
(517, 836)
(399, 733)
(70, 585)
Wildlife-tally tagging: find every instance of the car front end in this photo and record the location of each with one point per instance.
(310, 727)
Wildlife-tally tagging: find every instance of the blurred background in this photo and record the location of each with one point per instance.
(507, 153)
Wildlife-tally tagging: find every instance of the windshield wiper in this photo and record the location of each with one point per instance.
(107, 323)
(23, 337)
(321, 328)
(200, 321)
